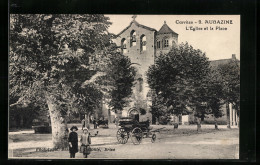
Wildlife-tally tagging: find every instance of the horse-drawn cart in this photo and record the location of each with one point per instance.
(130, 128)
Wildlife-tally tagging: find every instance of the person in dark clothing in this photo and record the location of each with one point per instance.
(95, 123)
(73, 141)
(148, 121)
(84, 124)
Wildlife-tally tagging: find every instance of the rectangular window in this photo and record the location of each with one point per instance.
(166, 43)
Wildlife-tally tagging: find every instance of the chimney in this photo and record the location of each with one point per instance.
(233, 56)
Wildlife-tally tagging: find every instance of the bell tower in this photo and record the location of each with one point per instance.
(165, 39)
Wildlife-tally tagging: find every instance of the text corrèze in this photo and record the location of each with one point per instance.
(204, 22)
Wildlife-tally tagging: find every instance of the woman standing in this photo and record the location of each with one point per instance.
(73, 141)
(85, 142)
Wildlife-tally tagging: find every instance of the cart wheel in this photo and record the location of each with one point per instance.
(122, 136)
(153, 138)
(137, 135)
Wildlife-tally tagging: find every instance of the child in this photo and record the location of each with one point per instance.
(85, 142)
(73, 141)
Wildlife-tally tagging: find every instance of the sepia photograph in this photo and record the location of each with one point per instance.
(124, 86)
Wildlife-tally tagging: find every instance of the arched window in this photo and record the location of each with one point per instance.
(158, 44)
(139, 84)
(143, 43)
(123, 45)
(133, 38)
(162, 43)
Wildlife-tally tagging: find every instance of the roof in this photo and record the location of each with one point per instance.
(166, 29)
(216, 63)
(137, 24)
(219, 62)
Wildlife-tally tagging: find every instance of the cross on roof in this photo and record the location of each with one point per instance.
(134, 16)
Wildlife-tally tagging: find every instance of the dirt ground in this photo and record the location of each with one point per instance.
(182, 143)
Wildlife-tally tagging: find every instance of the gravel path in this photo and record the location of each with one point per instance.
(183, 143)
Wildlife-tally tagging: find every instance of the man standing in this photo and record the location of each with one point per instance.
(148, 121)
(84, 124)
(116, 122)
(95, 123)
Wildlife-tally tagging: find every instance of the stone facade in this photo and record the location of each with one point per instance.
(138, 43)
(141, 44)
(165, 40)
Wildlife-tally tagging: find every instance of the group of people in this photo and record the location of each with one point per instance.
(85, 124)
(85, 141)
(85, 138)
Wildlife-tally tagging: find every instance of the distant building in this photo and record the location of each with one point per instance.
(232, 111)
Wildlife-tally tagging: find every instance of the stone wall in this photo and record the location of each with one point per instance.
(172, 39)
(141, 61)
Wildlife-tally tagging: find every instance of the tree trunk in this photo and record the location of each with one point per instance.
(87, 120)
(198, 124)
(216, 123)
(157, 121)
(58, 125)
(237, 118)
(21, 122)
(228, 115)
(238, 123)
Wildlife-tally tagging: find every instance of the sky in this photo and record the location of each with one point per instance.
(217, 44)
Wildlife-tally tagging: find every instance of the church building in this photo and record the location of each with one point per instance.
(142, 44)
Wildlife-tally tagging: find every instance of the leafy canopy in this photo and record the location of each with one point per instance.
(230, 74)
(118, 79)
(50, 53)
(70, 57)
(178, 79)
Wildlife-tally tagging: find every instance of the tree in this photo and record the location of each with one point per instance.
(49, 61)
(118, 80)
(158, 108)
(179, 78)
(230, 74)
(122, 74)
(215, 95)
(89, 100)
